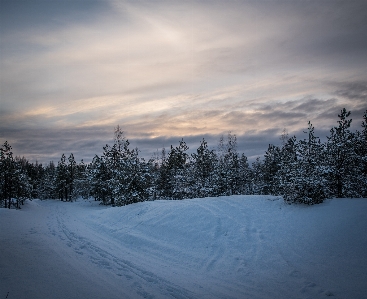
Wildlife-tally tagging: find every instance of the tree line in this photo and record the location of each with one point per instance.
(304, 171)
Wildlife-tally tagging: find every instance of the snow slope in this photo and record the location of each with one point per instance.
(227, 247)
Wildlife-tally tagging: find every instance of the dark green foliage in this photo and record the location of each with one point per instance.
(173, 181)
(257, 177)
(203, 170)
(99, 178)
(163, 176)
(302, 171)
(62, 179)
(287, 174)
(361, 155)
(15, 184)
(270, 168)
(342, 158)
(229, 179)
(47, 185)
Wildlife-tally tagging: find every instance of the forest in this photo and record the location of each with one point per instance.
(304, 171)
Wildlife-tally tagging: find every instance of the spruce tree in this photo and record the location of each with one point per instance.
(271, 166)
(22, 181)
(203, 170)
(98, 179)
(71, 177)
(62, 179)
(164, 177)
(47, 188)
(15, 185)
(245, 176)
(177, 166)
(288, 174)
(228, 166)
(342, 157)
(311, 170)
(7, 172)
(360, 145)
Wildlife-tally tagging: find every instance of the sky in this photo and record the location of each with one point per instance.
(71, 71)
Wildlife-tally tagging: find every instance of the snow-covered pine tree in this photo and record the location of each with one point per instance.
(7, 174)
(135, 178)
(228, 177)
(81, 183)
(62, 179)
(311, 169)
(363, 154)
(232, 165)
(360, 145)
(203, 162)
(71, 171)
(22, 183)
(271, 166)
(47, 188)
(35, 173)
(14, 181)
(146, 183)
(245, 176)
(153, 166)
(257, 178)
(164, 177)
(220, 175)
(177, 168)
(124, 181)
(97, 176)
(288, 174)
(342, 158)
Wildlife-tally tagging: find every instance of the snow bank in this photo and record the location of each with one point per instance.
(226, 247)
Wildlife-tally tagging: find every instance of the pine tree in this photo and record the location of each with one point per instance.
(342, 158)
(98, 177)
(228, 166)
(360, 145)
(363, 154)
(203, 162)
(271, 166)
(81, 183)
(71, 172)
(288, 175)
(164, 177)
(257, 178)
(7, 172)
(177, 166)
(121, 169)
(47, 189)
(62, 179)
(22, 182)
(245, 176)
(14, 181)
(232, 165)
(311, 169)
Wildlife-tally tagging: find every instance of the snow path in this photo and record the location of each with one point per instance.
(227, 247)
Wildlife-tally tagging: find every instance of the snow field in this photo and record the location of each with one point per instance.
(226, 247)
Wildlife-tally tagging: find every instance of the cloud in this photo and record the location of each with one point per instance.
(167, 69)
(356, 90)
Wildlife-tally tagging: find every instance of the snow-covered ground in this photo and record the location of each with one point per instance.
(227, 247)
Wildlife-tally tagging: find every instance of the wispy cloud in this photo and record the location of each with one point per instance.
(167, 69)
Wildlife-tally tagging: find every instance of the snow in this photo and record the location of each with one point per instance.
(226, 247)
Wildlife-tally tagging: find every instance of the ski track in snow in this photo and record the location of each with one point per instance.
(227, 247)
(138, 277)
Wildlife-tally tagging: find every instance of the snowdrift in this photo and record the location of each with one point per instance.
(226, 247)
